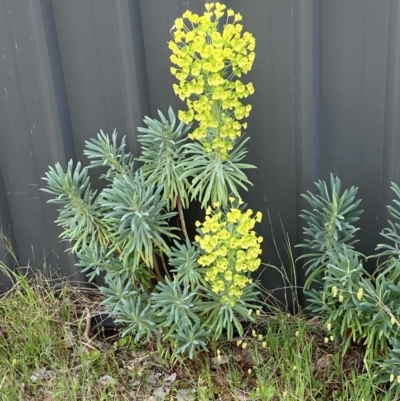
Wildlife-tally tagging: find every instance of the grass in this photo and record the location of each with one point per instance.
(50, 351)
(42, 351)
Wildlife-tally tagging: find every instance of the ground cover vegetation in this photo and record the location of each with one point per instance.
(190, 310)
(51, 349)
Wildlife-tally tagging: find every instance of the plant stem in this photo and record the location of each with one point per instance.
(164, 265)
(181, 216)
(156, 268)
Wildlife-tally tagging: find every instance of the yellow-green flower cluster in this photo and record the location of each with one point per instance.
(208, 64)
(230, 249)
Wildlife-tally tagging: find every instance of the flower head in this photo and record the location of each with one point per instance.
(202, 54)
(229, 250)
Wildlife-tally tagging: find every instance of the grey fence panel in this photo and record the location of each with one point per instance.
(6, 236)
(391, 133)
(307, 23)
(159, 17)
(327, 100)
(33, 126)
(105, 78)
(354, 83)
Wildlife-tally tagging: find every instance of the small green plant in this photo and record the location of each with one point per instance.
(159, 282)
(332, 262)
(355, 306)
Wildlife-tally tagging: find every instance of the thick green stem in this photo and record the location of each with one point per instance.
(181, 216)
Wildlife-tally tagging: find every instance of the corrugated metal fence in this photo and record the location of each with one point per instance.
(327, 100)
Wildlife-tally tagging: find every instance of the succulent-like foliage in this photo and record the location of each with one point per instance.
(135, 227)
(117, 290)
(175, 305)
(329, 225)
(104, 151)
(333, 264)
(223, 316)
(215, 178)
(389, 252)
(93, 260)
(355, 306)
(385, 298)
(80, 214)
(390, 369)
(184, 262)
(136, 212)
(136, 313)
(191, 339)
(163, 154)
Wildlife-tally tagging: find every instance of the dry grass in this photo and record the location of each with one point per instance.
(50, 349)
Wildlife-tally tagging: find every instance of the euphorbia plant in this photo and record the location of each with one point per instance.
(355, 305)
(159, 281)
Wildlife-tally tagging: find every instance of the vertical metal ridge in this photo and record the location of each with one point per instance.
(308, 90)
(308, 102)
(56, 132)
(133, 67)
(391, 135)
(6, 229)
(58, 80)
(50, 71)
(317, 87)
